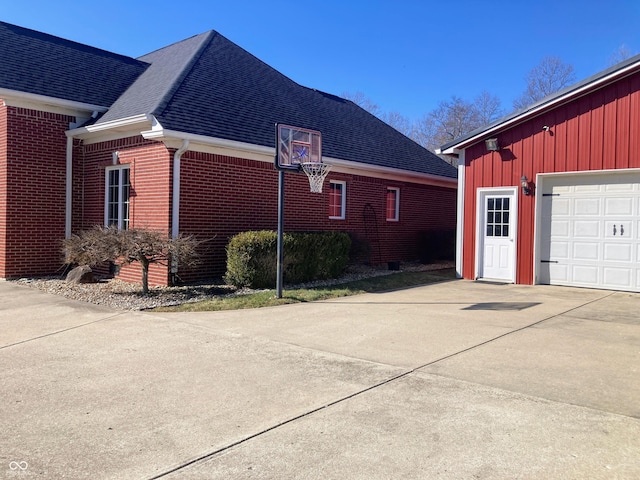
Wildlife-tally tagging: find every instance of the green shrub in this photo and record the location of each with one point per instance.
(251, 257)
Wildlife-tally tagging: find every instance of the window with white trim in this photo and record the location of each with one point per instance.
(337, 199)
(117, 189)
(393, 204)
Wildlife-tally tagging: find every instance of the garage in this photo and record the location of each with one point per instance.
(588, 230)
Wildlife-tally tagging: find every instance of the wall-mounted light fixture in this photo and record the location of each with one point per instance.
(545, 128)
(524, 183)
(492, 144)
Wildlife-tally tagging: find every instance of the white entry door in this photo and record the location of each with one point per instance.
(589, 231)
(496, 234)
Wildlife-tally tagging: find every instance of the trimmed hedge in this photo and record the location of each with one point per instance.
(252, 262)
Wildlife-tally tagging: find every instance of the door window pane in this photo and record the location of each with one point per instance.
(497, 216)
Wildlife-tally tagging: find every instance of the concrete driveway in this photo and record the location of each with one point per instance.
(452, 381)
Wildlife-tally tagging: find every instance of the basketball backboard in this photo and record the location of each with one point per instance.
(295, 145)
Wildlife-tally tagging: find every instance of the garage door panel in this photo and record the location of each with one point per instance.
(619, 230)
(617, 252)
(619, 187)
(586, 188)
(620, 277)
(621, 206)
(560, 206)
(586, 229)
(586, 207)
(560, 250)
(590, 230)
(560, 228)
(560, 273)
(585, 274)
(586, 251)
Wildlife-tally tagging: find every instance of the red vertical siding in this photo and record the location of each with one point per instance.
(600, 130)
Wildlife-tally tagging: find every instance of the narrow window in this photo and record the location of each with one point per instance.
(337, 199)
(117, 188)
(393, 204)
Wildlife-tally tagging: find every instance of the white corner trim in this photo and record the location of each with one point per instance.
(460, 215)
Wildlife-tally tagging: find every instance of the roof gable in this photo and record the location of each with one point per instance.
(37, 63)
(228, 93)
(150, 93)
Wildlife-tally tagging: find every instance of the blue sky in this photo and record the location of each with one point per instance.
(405, 55)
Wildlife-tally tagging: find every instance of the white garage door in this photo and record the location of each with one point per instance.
(589, 232)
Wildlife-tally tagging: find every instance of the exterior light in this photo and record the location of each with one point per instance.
(524, 183)
(492, 144)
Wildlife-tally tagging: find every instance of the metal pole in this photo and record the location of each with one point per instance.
(280, 233)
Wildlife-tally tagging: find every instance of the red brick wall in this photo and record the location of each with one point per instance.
(222, 196)
(150, 176)
(32, 191)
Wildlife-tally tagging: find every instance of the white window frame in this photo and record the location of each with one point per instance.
(121, 222)
(343, 199)
(396, 216)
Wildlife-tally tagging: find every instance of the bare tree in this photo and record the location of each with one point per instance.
(398, 121)
(364, 102)
(620, 55)
(102, 244)
(454, 118)
(549, 76)
(488, 108)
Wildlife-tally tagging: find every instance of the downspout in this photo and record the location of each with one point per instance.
(175, 203)
(68, 188)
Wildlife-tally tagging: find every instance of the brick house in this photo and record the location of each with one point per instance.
(182, 140)
(551, 194)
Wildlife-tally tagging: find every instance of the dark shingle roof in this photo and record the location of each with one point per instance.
(204, 85)
(228, 93)
(42, 64)
(156, 86)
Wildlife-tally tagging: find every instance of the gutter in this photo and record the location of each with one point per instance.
(173, 138)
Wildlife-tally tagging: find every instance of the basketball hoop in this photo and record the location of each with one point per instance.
(316, 171)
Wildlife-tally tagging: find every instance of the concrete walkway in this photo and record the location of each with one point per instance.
(451, 381)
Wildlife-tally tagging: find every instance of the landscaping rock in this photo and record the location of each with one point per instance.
(81, 274)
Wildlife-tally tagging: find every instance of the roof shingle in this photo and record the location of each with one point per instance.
(42, 64)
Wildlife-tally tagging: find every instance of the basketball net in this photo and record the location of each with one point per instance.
(316, 171)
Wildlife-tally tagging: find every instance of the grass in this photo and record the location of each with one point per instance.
(267, 298)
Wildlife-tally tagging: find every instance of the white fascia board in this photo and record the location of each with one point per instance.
(13, 98)
(201, 143)
(368, 170)
(449, 151)
(114, 129)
